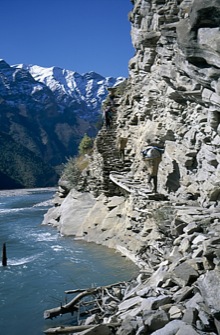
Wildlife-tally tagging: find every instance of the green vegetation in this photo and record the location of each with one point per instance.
(71, 173)
(74, 166)
(20, 167)
(73, 169)
(85, 145)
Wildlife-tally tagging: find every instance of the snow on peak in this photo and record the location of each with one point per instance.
(87, 91)
(87, 87)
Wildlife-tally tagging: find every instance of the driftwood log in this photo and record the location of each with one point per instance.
(71, 306)
(66, 330)
(76, 329)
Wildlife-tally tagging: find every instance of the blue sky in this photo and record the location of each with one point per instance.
(78, 35)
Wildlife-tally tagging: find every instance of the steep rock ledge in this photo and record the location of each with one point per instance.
(171, 98)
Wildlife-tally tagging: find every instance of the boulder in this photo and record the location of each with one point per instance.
(209, 286)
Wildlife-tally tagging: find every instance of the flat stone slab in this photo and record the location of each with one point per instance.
(183, 274)
(209, 286)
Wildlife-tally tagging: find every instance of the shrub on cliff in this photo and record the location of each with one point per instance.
(74, 167)
(85, 145)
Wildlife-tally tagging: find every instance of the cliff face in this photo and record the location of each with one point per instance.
(172, 99)
(172, 96)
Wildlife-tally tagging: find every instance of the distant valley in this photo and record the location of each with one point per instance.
(44, 113)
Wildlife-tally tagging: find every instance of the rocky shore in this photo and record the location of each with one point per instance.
(177, 251)
(171, 99)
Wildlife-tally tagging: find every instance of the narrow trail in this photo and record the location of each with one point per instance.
(115, 171)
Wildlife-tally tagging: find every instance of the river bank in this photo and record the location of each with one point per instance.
(100, 220)
(170, 100)
(175, 246)
(41, 264)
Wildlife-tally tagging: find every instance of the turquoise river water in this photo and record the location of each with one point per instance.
(42, 264)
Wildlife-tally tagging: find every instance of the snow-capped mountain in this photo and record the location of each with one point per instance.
(84, 92)
(47, 111)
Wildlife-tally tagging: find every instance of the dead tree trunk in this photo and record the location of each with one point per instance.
(67, 330)
(77, 329)
(71, 306)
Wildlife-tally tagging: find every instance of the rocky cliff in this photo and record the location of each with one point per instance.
(171, 99)
(172, 96)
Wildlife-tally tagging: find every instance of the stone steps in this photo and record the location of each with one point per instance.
(106, 146)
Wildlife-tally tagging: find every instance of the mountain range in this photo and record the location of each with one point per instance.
(44, 113)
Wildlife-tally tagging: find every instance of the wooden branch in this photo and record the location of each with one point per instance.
(100, 287)
(111, 296)
(99, 305)
(76, 329)
(67, 330)
(75, 291)
(87, 303)
(70, 307)
(67, 308)
(90, 311)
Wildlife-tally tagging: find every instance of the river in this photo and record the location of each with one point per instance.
(42, 264)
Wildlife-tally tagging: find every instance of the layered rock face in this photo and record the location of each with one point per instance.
(172, 97)
(176, 71)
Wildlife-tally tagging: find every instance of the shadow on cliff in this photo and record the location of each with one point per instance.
(173, 179)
